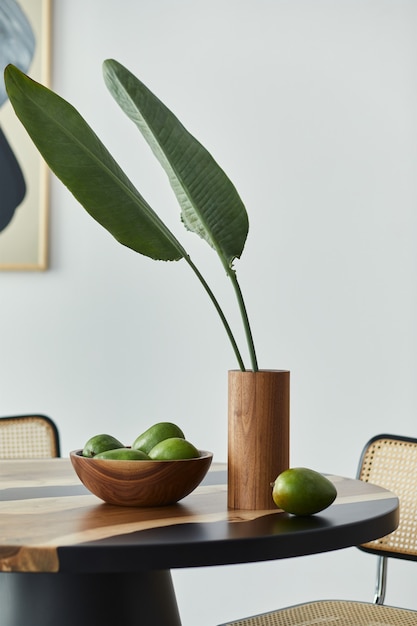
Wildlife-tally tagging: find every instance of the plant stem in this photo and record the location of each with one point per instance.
(219, 311)
(245, 319)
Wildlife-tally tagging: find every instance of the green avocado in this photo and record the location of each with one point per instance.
(174, 448)
(100, 443)
(302, 491)
(156, 433)
(123, 454)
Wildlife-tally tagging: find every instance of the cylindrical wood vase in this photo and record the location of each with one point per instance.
(258, 435)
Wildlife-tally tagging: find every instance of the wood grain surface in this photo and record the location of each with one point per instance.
(43, 507)
(258, 435)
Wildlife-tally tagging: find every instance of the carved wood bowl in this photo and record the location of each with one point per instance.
(141, 483)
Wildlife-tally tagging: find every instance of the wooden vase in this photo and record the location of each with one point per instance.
(258, 435)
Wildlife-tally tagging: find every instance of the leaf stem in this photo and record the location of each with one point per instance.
(219, 311)
(245, 319)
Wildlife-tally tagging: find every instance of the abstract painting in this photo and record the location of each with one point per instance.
(25, 42)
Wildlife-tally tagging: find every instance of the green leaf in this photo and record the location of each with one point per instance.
(78, 157)
(210, 204)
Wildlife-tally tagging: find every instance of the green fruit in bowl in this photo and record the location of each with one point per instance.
(123, 454)
(100, 443)
(303, 491)
(156, 433)
(173, 448)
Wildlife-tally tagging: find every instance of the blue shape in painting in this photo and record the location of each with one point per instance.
(17, 46)
(12, 183)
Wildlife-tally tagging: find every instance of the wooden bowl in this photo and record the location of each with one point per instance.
(141, 483)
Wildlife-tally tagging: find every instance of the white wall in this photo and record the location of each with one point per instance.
(310, 107)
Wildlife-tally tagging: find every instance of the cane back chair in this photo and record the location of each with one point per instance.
(389, 461)
(28, 437)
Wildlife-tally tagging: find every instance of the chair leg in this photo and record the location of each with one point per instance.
(381, 580)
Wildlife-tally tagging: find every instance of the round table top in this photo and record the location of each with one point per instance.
(51, 523)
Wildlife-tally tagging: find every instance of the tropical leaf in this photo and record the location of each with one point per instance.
(210, 204)
(78, 157)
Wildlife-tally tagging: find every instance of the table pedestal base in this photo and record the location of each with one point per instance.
(63, 599)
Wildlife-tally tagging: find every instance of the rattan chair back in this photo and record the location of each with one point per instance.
(28, 437)
(391, 462)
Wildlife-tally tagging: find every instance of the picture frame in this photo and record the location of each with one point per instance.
(25, 194)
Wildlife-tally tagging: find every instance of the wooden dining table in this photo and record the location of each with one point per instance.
(68, 558)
